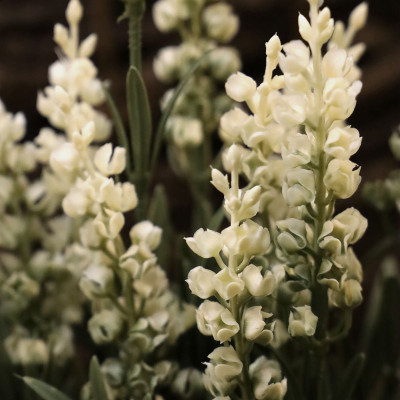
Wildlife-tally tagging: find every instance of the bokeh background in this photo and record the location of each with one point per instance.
(27, 49)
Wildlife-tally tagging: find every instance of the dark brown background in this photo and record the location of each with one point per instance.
(26, 50)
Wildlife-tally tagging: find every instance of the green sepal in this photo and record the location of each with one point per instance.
(97, 381)
(217, 219)
(139, 119)
(44, 390)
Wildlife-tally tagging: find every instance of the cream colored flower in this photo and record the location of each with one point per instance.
(256, 283)
(342, 143)
(201, 282)
(109, 161)
(228, 284)
(206, 244)
(267, 379)
(240, 87)
(302, 321)
(342, 177)
(298, 188)
(248, 239)
(214, 319)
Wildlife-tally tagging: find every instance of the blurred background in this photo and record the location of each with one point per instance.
(27, 49)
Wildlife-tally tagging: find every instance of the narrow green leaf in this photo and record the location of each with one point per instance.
(44, 390)
(159, 214)
(96, 380)
(350, 376)
(139, 119)
(167, 112)
(216, 220)
(119, 126)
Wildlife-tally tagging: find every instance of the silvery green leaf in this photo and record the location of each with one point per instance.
(139, 118)
(44, 390)
(97, 380)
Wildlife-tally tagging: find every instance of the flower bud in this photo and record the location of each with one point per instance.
(61, 35)
(273, 47)
(185, 131)
(302, 322)
(358, 17)
(167, 15)
(342, 177)
(166, 64)
(305, 29)
(240, 87)
(223, 62)
(74, 12)
(88, 46)
(219, 181)
(214, 319)
(147, 233)
(201, 282)
(206, 244)
(220, 22)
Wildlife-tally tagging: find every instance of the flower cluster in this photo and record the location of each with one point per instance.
(132, 305)
(38, 265)
(203, 25)
(294, 149)
(243, 279)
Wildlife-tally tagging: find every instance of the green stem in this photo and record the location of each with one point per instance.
(242, 352)
(134, 10)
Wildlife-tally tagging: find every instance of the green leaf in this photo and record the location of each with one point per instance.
(44, 390)
(350, 376)
(167, 112)
(159, 214)
(96, 380)
(139, 119)
(216, 220)
(119, 126)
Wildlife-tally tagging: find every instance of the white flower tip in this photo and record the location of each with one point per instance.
(273, 46)
(74, 12)
(358, 16)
